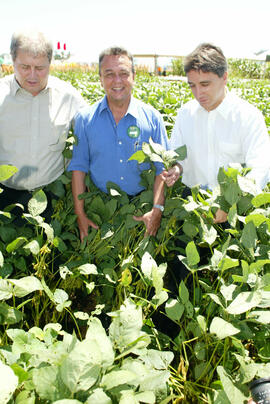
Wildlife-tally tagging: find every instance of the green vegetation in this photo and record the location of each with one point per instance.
(103, 321)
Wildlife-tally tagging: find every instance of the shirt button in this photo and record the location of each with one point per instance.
(121, 161)
(119, 142)
(122, 178)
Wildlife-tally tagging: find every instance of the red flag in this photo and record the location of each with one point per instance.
(58, 45)
(65, 48)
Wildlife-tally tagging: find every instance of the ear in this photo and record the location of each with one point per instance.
(225, 77)
(101, 81)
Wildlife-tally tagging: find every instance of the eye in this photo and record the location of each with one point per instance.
(108, 75)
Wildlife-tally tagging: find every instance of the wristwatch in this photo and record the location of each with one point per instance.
(160, 207)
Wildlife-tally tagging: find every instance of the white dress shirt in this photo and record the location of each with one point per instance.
(33, 130)
(234, 132)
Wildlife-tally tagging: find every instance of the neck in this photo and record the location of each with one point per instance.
(118, 109)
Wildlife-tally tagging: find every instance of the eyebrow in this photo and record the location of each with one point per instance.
(201, 82)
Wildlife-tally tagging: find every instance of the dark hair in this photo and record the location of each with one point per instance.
(114, 51)
(32, 42)
(207, 58)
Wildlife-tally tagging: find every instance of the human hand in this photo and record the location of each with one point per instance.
(172, 175)
(151, 220)
(250, 401)
(84, 223)
(220, 216)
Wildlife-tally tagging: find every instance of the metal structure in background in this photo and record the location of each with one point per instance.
(155, 57)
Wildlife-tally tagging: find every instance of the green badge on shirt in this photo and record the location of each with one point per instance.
(133, 131)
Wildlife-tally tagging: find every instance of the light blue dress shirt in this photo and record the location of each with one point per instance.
(104, 147)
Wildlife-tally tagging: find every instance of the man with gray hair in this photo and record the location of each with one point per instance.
(36, 113)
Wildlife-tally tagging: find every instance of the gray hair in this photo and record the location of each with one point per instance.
(207, 58)
(33, 42)
(115, 51)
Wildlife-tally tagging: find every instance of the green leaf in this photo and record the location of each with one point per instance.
(6, 171)
(98, 397)
(249, 235)
(59, 244)
(209, 234)
(138, 156)
(183, 293)
(9, 315)
(26, 285)
(16, 244)
(9, 383)
(117, 377)
(227, 263)
(6, 290)
(232, 215)
(33, 247)
(247, 185)
(68, 400)
(48, 383)
(193, 256)
(77, 370)
(260, 316)
(25, 397)
(37, 203)
(48, 231)
(190, 229)
(232, 194)
(60, 297)
(234, 394)
(174, 309)
(222, 328)
(182, 152)
(244, 302)
(261, 199)
(88, 269)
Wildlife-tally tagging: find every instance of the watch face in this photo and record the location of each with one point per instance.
(159, 207)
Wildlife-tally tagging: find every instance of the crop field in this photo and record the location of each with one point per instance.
(107, 321)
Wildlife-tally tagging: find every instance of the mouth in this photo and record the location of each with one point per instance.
(117, 89)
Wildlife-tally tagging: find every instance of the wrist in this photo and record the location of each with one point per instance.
(158, 207)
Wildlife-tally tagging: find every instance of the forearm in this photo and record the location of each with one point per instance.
(158, 191)
(78, 187)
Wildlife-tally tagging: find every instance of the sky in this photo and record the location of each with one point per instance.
(167, 27)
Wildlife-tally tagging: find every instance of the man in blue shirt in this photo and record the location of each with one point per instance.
(109, 132)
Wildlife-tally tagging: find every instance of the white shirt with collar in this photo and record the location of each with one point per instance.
(33, 130)
(234, 132)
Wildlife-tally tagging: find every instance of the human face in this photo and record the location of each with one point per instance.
(31, 72)
(208, 88)
(117, 79)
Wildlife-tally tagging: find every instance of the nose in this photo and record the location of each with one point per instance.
(33, 72)
(117, 77)
(198, 91)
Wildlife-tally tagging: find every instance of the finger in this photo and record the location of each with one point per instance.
(138, 218)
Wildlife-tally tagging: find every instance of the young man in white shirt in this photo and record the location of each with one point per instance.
(218, 127)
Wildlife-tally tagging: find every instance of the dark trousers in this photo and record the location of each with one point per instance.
(10, 196)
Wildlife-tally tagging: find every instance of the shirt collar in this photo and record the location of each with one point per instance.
(132, 108)
(15, 86)
(223, 108)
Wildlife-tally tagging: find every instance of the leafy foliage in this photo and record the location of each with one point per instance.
(57, 343)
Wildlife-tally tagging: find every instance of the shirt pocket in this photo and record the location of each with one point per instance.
(230, 153)
(58, 140)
